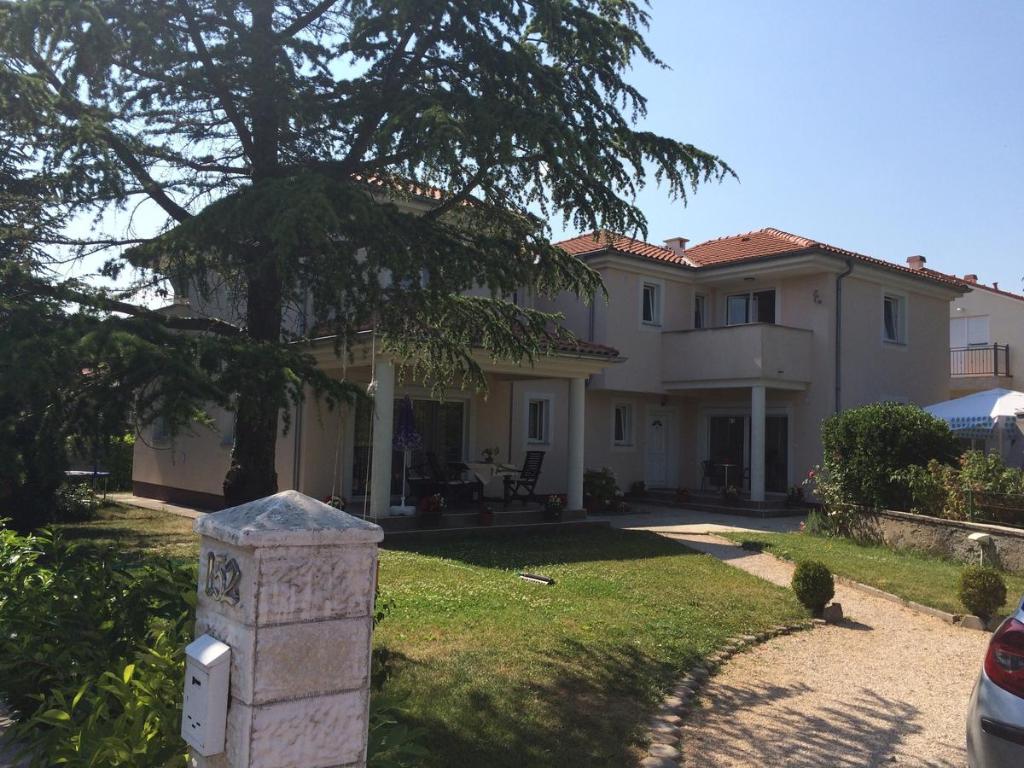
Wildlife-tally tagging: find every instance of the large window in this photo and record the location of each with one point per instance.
(894, 321)
(754, 307)
(622, 434)
(651, 299)
(699, 311)
(538, 420)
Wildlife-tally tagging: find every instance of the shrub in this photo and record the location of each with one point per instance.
(982, 590)
(864, 447)
(600, 486)
(813, 585)
(92, 658)
(75, 503)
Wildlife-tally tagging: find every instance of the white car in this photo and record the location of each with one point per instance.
(995, 718)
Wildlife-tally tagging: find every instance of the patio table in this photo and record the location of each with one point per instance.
(726, 466)
(486, 471)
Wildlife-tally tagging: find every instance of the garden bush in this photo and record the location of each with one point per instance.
(982, 590)
(600, 486)
(813, 585)
(92, 658)
(965, 491)
(76, 503)
(865, 447)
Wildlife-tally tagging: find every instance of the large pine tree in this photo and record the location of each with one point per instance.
(309, 148)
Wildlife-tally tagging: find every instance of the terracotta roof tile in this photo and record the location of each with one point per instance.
(596, 242)
(733, 249)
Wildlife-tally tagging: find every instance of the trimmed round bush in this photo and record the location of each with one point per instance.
(982, 590)
(864, 447)
(813, 585)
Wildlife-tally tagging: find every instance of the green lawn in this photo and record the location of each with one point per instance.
(499, 672)
(912, 575)
(136, 532)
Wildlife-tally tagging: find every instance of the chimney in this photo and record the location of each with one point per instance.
(677, 245)
(916, 262)
(972, 279)
(995, 285)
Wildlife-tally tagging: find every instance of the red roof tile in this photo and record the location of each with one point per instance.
(758, 244)
(603, 240)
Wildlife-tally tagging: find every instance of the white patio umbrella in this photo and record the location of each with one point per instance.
(983, 415)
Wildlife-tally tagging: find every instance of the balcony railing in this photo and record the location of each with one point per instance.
(991, 360)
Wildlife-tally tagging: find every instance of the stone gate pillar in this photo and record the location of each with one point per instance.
(288, 583)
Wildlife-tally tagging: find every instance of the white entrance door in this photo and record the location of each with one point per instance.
(658, 459)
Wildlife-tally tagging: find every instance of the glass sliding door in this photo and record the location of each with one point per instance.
(442, 426)
(727, 448)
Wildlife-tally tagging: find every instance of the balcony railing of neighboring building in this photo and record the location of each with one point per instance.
(990, 360)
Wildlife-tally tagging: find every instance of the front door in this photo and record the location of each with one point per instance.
(658, 472)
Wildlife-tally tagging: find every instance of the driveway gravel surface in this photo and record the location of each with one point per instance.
(888, 686)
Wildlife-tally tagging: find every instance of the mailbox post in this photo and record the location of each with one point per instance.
(287, 584)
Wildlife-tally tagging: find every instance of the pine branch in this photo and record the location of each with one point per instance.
(309, 17)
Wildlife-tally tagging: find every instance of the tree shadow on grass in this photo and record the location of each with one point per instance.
(531, 549)
(586, 706)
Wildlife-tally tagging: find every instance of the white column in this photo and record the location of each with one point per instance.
(577, 406)
(757, 415)
(383, 433)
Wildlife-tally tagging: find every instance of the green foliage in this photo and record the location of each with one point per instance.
(301, 151)
(813, 585)
(864, 447)
(982, 590)
(600, 486)
(981, 486)
(92, 658)
(76, 503)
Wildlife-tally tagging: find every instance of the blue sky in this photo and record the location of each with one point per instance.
(889, 128)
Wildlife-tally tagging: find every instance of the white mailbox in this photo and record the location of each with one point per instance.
(205, 710)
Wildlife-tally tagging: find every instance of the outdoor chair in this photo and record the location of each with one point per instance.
(452, 485)
(522, 484)
(707, 474)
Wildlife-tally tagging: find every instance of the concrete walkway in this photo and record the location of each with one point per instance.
(156, 504)
(888, 686)
(671, 520)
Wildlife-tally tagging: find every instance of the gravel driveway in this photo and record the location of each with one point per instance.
(887, 687)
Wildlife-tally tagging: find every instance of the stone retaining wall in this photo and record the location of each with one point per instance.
(948, 538)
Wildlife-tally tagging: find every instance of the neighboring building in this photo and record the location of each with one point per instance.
(724, 357)
(986, 336)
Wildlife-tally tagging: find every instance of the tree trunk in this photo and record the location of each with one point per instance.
(253, 474)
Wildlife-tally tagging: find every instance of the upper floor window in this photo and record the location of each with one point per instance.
(538, 420)
(699, 311)
(969, 332)
(651, 300)
(894, 321)
(753, 307)
(623, 427)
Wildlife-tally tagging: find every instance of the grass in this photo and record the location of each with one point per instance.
(503, 673)
(916, 576)
(134, 532)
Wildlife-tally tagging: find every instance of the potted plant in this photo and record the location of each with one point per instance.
(637, 489)
(795, 496)
(599, 489)
(490, 454)
(682, 495)
(730, 494)
(486, 514)
(338, 502)
(430, 509)
(554, 505)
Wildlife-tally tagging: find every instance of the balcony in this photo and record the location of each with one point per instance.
(737, 355)
(972, 369)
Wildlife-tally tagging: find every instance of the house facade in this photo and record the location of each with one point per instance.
(710, 364)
